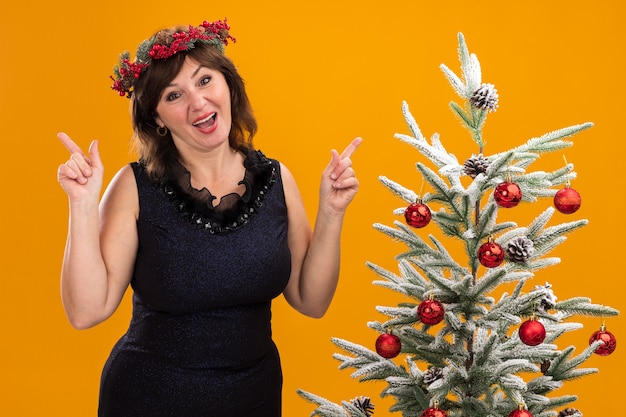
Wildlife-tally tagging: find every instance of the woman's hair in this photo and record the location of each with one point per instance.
(157, 152)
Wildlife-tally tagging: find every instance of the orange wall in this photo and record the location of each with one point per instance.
(319, 73)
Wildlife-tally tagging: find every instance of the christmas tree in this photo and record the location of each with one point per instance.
(453, 348)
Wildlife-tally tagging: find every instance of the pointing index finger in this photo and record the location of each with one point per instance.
(347, 153)
(69, 144)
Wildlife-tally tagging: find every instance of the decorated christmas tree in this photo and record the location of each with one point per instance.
(452, 347)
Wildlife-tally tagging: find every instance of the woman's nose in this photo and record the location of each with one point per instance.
(197, 100)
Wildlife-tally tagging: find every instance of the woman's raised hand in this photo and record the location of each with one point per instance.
(81, 175)
(339, 183)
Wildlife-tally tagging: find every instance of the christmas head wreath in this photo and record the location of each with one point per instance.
(164, 44)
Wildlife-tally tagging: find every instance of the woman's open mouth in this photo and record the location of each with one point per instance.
(206, 122)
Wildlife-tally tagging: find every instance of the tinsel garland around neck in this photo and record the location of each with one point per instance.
(234, 211)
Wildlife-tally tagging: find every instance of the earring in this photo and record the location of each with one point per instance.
(161, 131)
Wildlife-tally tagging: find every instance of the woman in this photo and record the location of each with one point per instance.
(205, 229)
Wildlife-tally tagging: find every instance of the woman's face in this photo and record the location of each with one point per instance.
(195, 107)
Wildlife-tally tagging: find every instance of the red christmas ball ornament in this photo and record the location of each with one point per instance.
(388, 345)
(417, 214)
(430, 312)
(507, 194)
(520, 413)
(532, 332)
(610, 342)
(490, 254)
(433, 412)
(567, 200)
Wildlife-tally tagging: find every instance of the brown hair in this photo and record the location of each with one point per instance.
(158, 153)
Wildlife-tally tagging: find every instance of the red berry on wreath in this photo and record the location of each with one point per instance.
(567, 200)
(610, 342)
(388, 345)
(433, 412)
(417, 214)
(507, 194)
(520, 412)
(532, 332)
(430, 312)
(490, 254)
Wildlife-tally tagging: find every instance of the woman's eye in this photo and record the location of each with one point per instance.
(171, 96)
(205, 80)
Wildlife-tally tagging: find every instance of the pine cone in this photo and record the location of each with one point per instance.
(485, 98)
(163, 37)
(364, 405)
(432, 375)
(570, 412)
(545, 365)
(549, 300)
(475, 165)
(520, 249)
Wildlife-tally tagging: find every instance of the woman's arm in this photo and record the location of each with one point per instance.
(316, 255)
(102, 237)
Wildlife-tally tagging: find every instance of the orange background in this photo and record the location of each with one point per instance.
(318, 74)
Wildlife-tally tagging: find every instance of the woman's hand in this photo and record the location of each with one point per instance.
(80, 176)
(339, 183)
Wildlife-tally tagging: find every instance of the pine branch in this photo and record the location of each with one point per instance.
(326, 408)
(404, 193)
(352, 410)
(488, 282)
(486, 221)
(369, 365)
(401, 316)
(505, 374)
(533, 185)
(540, 222)
(436, 152)
(543, 384)
(582, 306)
(554, 332)
(409, 237)
(395, 282)
(551, 141)
(554, 232)
(558, 402)
(500, 165)
(443, 192)
(563, 368)
(436, 156)
(470, 69)
(562, 175)
(523, 160)
(376, 371)
(412, 123)
(457, 84)
(356, 349)
(466, 120)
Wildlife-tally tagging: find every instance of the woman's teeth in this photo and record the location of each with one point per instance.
(209, 120)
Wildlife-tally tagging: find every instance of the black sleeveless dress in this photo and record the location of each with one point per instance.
(200, 342)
